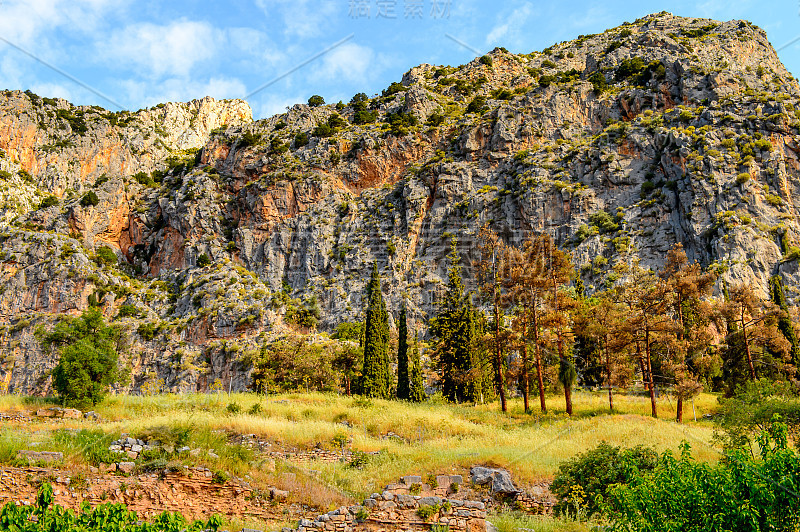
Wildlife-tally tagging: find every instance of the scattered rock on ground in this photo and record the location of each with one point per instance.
(500, 479)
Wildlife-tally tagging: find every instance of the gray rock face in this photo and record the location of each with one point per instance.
(500, 479)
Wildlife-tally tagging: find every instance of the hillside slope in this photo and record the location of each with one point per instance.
(618, 145)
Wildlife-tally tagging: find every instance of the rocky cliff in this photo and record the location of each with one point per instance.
(618, 144)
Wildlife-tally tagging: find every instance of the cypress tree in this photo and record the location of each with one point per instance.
(375, 378)
(416, 388)
(457, 329)
(402, 357)
(785, 324)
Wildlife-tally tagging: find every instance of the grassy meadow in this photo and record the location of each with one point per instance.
(428, 438)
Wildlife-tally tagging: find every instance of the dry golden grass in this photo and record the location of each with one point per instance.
(433, 437)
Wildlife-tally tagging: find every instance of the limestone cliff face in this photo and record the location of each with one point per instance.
(670, 129)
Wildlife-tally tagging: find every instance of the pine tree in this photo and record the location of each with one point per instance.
(687, 283)
(648, 324)
(375, 378)
(493, 258)
(526, 280)
(557, 319)
(457, 328)
(756, 329)
(416, 389)
(403, 389)
(600, 320)
(785, 324)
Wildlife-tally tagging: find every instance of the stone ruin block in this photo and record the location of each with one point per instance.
(41, 456)
(411, 479)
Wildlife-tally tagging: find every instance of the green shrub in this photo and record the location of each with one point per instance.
(502, 94)
(105, 256)
(203, 260)
(144, 179)
(742, 178)
(316, 100)
(147, 331)
(485, 60)
(599, 83)
(233, 408)
(220, 477)
(401, 122)
(595, 471)
(647, 188)
(426, 512)
(255, 409)
(365, 117)
(126, 311)
(435, 120)
(604, 221)
(476, 104)
(393, 89)
(741, 492)
(773, 199)
(300, 140)
(90, 199)
(249, 139)
(546, 81)
(348, 331)
(359, 102)
(49, 201)
(323, 130)
(28, 178)
(629, 68)
(358, 460)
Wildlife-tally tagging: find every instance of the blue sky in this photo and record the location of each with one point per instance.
(139, 53)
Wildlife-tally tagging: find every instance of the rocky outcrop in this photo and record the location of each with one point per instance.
(193, 493)
(618, 145)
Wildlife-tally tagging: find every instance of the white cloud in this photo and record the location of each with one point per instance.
(302, 18)
(254, 47)
(273, 104)
(169, 50)
(11, 73)
(54, 90)
(349, 61)
(25, 22)
(510, 30)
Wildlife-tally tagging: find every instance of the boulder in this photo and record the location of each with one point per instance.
(126, 467)
(500, 479)
(430, 501)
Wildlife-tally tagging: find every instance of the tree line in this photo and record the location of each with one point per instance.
(528, 328)
(541, 331)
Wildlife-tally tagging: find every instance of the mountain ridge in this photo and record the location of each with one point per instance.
(226, 229)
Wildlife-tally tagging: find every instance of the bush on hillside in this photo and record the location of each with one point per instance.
(582, 483)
